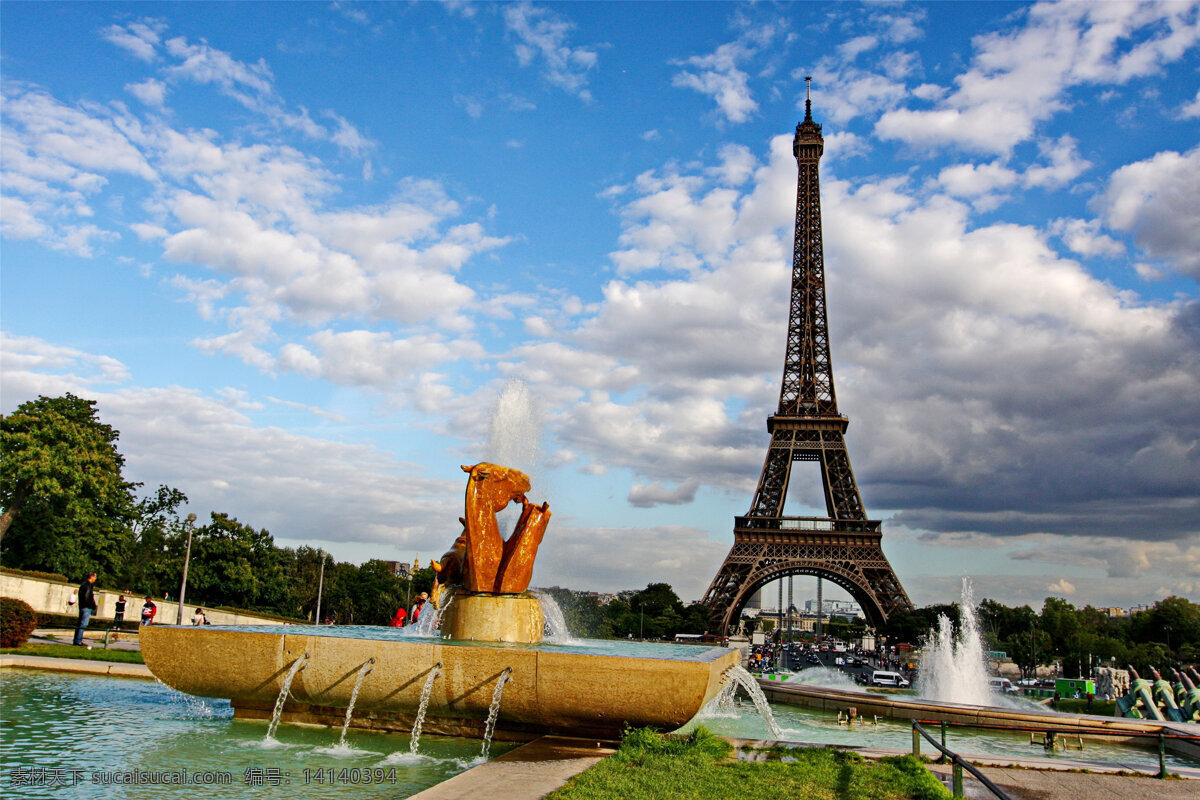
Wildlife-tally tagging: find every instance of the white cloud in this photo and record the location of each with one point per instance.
(543, 33)
(1192, 108)
(649, 495)
(1062, 587)
(719, 75)
(140, 39)
(1084, 237)
(1018, 78)
(152, 92)
(1158, 200)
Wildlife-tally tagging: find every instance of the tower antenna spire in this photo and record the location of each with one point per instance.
(808, 98)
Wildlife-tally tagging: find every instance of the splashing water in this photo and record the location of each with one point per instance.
(297, 665)
(513, 441)
(362, 673)
(556, 631)
(953, 669)
(420, 720)
(828, 677)
(723, 704)
(194, 707)
(747, 682)
(515, 428)
(494, 711)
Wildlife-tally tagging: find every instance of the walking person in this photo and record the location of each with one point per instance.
(87, 607)
(149, 609)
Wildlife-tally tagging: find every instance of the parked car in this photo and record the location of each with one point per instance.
(884, 678)
(1002, 685)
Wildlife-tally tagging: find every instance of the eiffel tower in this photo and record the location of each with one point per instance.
(843, 547)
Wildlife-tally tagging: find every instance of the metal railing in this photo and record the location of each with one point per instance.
(956, 760)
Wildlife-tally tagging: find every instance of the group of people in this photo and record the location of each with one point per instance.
(403, 617)
(84, 598)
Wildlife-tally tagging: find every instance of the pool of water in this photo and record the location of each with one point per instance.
(818, 727)
(595, 647)
(80, 736)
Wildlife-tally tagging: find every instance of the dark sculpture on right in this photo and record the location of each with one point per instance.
(843, 547)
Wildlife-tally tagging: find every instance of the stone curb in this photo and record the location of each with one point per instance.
(79, 665)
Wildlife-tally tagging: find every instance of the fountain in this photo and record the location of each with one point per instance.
(953, 669)
(422, 707)
(490, 625)
(362, 673)
(740, 677)
(494, 711)
(286, 689)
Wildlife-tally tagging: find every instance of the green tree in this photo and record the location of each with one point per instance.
(67, 508)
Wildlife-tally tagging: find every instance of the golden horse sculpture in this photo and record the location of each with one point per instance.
(481, 560)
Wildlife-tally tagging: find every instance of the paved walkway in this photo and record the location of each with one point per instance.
(527, 773)
(1042, 784)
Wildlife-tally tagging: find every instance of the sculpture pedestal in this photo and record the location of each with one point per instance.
(493, 618)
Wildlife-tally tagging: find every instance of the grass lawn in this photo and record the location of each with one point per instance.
(650, 766)
(70, 651)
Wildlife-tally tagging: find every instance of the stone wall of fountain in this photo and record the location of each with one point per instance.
(547, 691)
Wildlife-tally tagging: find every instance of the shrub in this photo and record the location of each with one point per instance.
(17, 621)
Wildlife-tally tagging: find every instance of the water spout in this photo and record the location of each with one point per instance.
(747, 682)
(953, 669)
(420, 720)
(297, 665)
(494, 711)
(362, 673)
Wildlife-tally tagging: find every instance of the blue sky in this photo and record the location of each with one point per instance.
(301, 254)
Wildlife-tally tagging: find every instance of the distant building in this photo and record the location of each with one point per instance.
(1115, 612)
(841, 608)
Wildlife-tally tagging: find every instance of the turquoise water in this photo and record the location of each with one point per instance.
(595, 647)
(80, 736)
(818, 727)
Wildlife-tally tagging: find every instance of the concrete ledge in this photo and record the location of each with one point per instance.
(80, 665)
(526, 773)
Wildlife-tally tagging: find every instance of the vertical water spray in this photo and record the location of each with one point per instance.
(494, 711)
(420, 720)
(362, 673)
(513, 440)
(747, 682)
(953, 669)
(297, 665)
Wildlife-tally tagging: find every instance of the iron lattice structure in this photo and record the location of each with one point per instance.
(845, 546)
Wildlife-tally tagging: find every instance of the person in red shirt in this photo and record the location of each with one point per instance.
(417, 606)
(398, 620)
(148, 612)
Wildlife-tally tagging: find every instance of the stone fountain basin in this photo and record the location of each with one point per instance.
(549, 691)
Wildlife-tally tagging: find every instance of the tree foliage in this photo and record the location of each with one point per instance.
(67, 507)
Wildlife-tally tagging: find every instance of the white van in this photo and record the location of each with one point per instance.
(1002, 685)
(882, 678)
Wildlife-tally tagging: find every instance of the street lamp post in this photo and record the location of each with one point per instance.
(187, 557)
(320, 588)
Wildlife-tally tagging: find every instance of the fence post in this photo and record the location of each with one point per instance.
(1162, 755)
(916, 741)
(942, 755)
(958, 778)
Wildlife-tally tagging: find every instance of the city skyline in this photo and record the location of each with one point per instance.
(298, 252)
